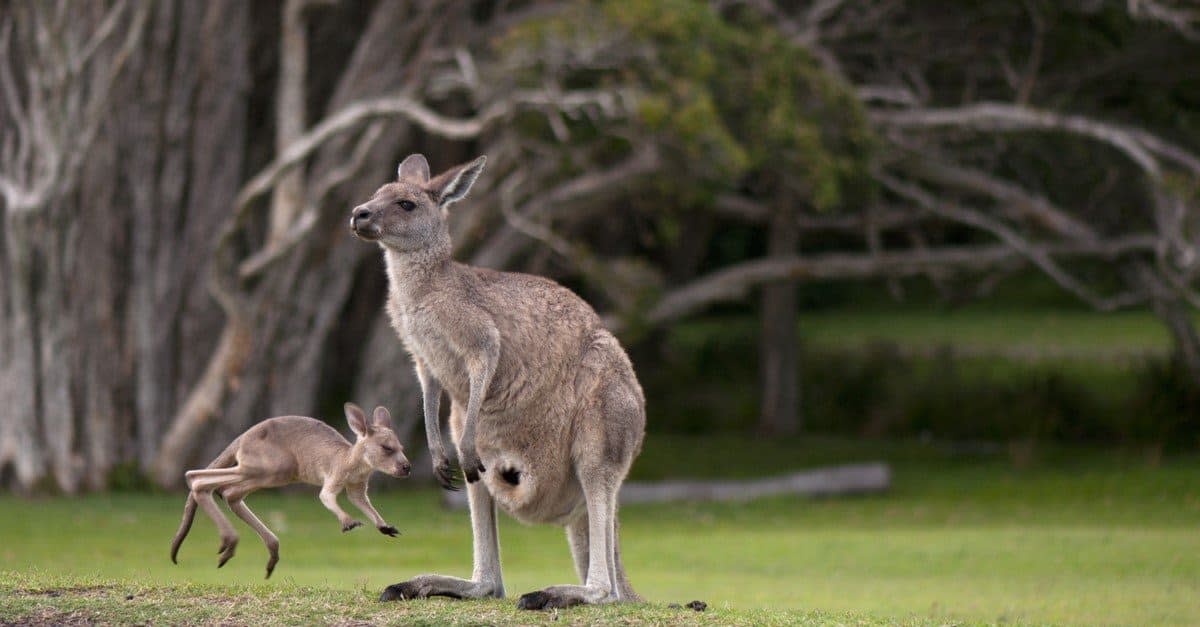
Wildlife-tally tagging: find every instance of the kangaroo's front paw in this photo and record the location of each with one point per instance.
(389, 530)
(350, 524)
(444, 473)
(472, 466)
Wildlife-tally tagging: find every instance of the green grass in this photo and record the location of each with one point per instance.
(1079, 538)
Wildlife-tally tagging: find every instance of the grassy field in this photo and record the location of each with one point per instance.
(1079, 538)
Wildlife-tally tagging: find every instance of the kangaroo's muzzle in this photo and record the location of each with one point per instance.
(361, 223)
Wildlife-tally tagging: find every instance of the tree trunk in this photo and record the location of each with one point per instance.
(1175, 313)
(286, 317)
(21, 448)
(779, 368)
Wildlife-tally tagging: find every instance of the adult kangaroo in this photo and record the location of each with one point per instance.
(546, 411)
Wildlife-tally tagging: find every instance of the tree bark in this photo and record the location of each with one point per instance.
(1174, 313)
(22, 448)
(779, 361)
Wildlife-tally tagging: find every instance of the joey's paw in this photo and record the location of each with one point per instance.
(445, 474)
(544, 600)
(389, 530)
(228, 547)
(352, 524)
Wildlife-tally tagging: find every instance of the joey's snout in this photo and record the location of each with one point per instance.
(362, 223)
(402, 470)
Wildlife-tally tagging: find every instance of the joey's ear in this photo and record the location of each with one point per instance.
(414, 168)
(452, 185)
(357, 420)
(382, 418)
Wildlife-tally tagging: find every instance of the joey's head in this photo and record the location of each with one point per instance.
(409, 214)
(379, 446)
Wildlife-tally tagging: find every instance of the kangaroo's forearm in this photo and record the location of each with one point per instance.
(481, 379)
(358, 496)
(431, 395)
(433, 430)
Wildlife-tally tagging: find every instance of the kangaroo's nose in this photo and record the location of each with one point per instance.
(362, 213)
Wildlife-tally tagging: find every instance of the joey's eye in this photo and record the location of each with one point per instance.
(406, 205)
(387, 450)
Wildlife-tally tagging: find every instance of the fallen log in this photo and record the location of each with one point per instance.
(847, 479)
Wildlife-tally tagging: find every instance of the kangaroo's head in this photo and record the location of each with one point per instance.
(379, 446)
(409, 214)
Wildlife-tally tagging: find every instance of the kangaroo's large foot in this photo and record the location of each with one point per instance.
(562, 596)
(425, 586)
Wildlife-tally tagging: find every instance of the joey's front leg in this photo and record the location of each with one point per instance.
(329, 494)
(431, 394)
(357, 492)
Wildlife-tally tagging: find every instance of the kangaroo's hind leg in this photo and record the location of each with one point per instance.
(608, 437)
(235, 496)
(203, 483)
(486, 579)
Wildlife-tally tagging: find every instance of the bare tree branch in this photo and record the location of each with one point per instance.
(405, 106)
(1016, 201)
(66, 92)
(1139, 146)
(734, 282)
(1019, 244)
(1180, 19)
(256, 263)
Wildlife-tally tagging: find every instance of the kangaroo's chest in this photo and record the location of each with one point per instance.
(427, 341)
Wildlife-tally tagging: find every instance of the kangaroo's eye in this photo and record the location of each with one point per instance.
(406, 205)
(387, 450)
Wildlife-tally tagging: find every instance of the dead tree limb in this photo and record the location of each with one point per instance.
(734, 282)
(845, 480)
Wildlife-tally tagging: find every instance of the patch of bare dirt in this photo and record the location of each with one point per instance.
(45, 616)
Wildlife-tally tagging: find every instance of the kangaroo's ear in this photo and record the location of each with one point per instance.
(357, 420)
(382, 418)
(414, 168)
(452, 185)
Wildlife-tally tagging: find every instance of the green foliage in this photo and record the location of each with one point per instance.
(730, 100)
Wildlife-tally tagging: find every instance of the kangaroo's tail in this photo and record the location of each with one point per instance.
(226, 459)
(189, 514)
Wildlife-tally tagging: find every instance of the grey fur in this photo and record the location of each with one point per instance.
(292, 449)
(541, 393)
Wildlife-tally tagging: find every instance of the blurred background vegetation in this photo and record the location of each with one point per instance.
(972, 224)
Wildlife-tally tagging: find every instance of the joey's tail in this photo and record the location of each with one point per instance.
(189, 514)
(226, 459)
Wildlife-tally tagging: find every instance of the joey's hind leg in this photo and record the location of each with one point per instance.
(485, 580)
(203, 483)
(235, 498)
